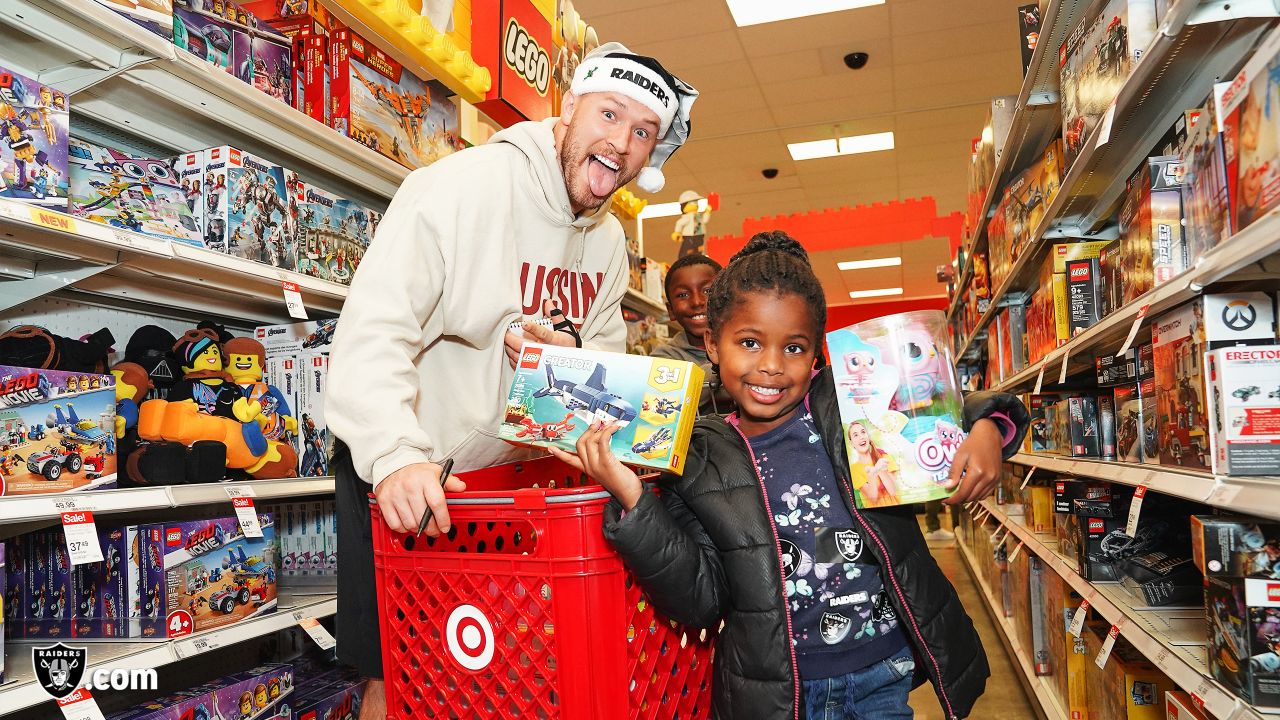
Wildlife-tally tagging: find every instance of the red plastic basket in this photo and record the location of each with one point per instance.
(524, 611)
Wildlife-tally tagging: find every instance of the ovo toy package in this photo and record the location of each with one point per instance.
(558, 392)
(900, 406)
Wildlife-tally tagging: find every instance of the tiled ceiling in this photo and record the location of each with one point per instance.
(917, 275)
(934, 66)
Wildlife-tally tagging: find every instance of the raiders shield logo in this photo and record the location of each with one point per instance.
(884, 611)
(849, 543)
(834, 627)
(790, 558)
(59, 668)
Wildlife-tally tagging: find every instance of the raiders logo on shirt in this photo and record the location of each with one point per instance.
(790, 558)
(837, 545)
(884, 611)
(834, 627)
(849, 543)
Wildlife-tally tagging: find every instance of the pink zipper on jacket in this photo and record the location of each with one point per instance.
(782, 571)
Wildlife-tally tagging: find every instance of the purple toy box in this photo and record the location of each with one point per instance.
(33, 154)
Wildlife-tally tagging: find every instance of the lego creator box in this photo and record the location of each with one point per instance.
(1233, 546)
(558, 392)
(1251, 135)
(1129, 687)
(57, 431)
(1094, 62)
(209, 575)
(258, 224)
(33, 154)
(1244, 622)
(1181, 413)
(387, 108)
(1244, 409)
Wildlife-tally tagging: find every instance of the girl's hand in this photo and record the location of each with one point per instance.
(975, 471)
(595, 457)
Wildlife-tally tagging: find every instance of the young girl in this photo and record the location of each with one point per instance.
(828, 610)
(872, 471)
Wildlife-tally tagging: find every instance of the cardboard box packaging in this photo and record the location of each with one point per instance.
(1243, 614)
(1152, 247)
(1129, 687)
(1180, 706)
(1244, 409)
(1234, 546)
(1251, 134)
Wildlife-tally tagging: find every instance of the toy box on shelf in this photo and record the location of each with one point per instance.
(333, 234)
(1031, 193)
(1204, 185)
(308, 541)
(131, 193)
(232, 38)
(189, 168)
(1128, 687)
(206, 574)
(57, 431)
(4, 607)
(1095, 60)
(1181, 705)
(251, 206)
(558, 392)
(1152, 248)
(1250, 124)
(205, 32)
(988, 149)
(1244, 616)
(1235, 546)
(154, 15)
(1076, 286)
(298, 364)
(1244, 409)
(900, 406)
(380, 104)
(33, 155)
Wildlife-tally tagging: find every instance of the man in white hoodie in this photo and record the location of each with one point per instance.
(487, 237)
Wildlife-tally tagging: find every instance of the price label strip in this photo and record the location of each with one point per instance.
(1133, 330)
(247, 514)
(80, 705)
(1135, 509)
(1016, 550)
(1077, 620)
(1027, 480)
(1107, 645)
(293, 300)
(1039, 380)
(1062, 374)
(197, 645)
(1223, 494)
(318, 632)
(81, 534)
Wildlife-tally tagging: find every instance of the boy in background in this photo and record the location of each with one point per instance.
(686, 290)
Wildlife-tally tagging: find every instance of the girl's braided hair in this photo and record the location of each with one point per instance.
(770, 261)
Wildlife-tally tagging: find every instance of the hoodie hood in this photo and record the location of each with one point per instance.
(537, 141)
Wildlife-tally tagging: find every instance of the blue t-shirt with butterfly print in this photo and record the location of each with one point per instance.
(841, 618)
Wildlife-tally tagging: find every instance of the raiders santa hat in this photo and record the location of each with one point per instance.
(613, 68)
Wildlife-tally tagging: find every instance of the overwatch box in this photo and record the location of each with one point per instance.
(1244, 409)
(559, 392)
(205, 574)
(1243, 615)
(1251, 135)
(33, 156)
(57, 431)
(1128, 687)
(1235, 546)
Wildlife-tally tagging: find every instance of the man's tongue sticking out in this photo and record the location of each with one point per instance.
(602, 179)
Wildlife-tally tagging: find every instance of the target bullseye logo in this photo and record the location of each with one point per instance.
(470, 637)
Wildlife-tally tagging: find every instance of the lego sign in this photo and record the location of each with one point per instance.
(513, 40)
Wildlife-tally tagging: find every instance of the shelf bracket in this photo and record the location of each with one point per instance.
(47, 277)
(1211, 11)
(79, 76)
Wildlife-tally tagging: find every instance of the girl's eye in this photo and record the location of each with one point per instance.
(750, 343)
(794, 349)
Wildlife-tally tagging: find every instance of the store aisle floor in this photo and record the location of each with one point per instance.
(1005, 698)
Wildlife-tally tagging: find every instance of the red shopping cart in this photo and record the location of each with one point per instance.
(524, 611)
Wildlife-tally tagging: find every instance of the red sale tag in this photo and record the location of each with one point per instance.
(79, 705)
(1077, 622)
(293, 300)
(1105, 653)
(1133, 330)
(247, 514)
(81, 536)
(1135, 509)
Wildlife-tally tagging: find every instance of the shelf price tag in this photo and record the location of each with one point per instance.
(196, 645)
(1133, 330)
(1016, 549)
(317, 631)
(1107, 645)
(1104, 134)
(1223, 494)
(1077, 620)
(1062, 374)
(80, 705)
(1027, 480)
(81, 534)
(248, 516)
(293, 300)
(1135, 509)
(1039, 380)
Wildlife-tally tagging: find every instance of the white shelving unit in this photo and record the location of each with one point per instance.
(1173, 640)
(21, 690)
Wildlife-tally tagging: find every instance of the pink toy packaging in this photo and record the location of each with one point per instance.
(900, 406)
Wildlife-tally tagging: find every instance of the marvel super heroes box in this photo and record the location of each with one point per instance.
(205, 574)
(558, 392)
(1244, 409)
(57, 431)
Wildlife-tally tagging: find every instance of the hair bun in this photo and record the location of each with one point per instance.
(772, 241)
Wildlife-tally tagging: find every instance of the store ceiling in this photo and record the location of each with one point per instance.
(934, 66)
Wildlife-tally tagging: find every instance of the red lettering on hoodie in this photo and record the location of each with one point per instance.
(575, 292)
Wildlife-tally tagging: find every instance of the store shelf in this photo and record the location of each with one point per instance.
(22, 691)
(1177, 72)
(131, 80)
(640, 302)
(1037, 686)
(1245, 495)
(56, 250)
(34, 508)
(1174, 651)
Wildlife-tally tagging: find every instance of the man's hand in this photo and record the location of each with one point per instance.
(533, 332)
(595, 457)
(975, 471)
(404, 495)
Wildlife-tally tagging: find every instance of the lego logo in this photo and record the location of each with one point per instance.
(173, 537)
(1061, 487)
(1097, 525)
(531, 358)
(1273, 592)
(317, 361)
(1079, 272)
(288, 364)
(261, 332)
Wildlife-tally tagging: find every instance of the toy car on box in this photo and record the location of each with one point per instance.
(1245, 431)
(33, 154)
(558, 392)
(53, 422)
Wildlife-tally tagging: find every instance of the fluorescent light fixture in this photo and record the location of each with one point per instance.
(851, 145)
(756, 12)
(864, 264)
(855, 294)
(671, 209)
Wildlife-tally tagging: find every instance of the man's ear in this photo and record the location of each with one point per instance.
(568, 103)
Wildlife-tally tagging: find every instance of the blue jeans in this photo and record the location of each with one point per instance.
(876, 692)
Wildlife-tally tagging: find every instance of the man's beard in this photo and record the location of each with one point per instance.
(573, 162)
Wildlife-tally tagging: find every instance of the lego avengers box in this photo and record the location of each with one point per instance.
(333, 234)
(57, 431)
(559, 392)
(387, 108)
(33, 154)
(206, 574)
(245, 198)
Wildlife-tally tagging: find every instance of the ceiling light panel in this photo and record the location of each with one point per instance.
(758, 12)
(864, 264)
(849, 145)
(881, 292)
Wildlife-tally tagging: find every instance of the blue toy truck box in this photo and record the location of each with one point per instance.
(558, 392)
(105, 591)
(205, 574)
(57, 431)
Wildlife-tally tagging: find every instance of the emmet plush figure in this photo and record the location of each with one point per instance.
(246, 364)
